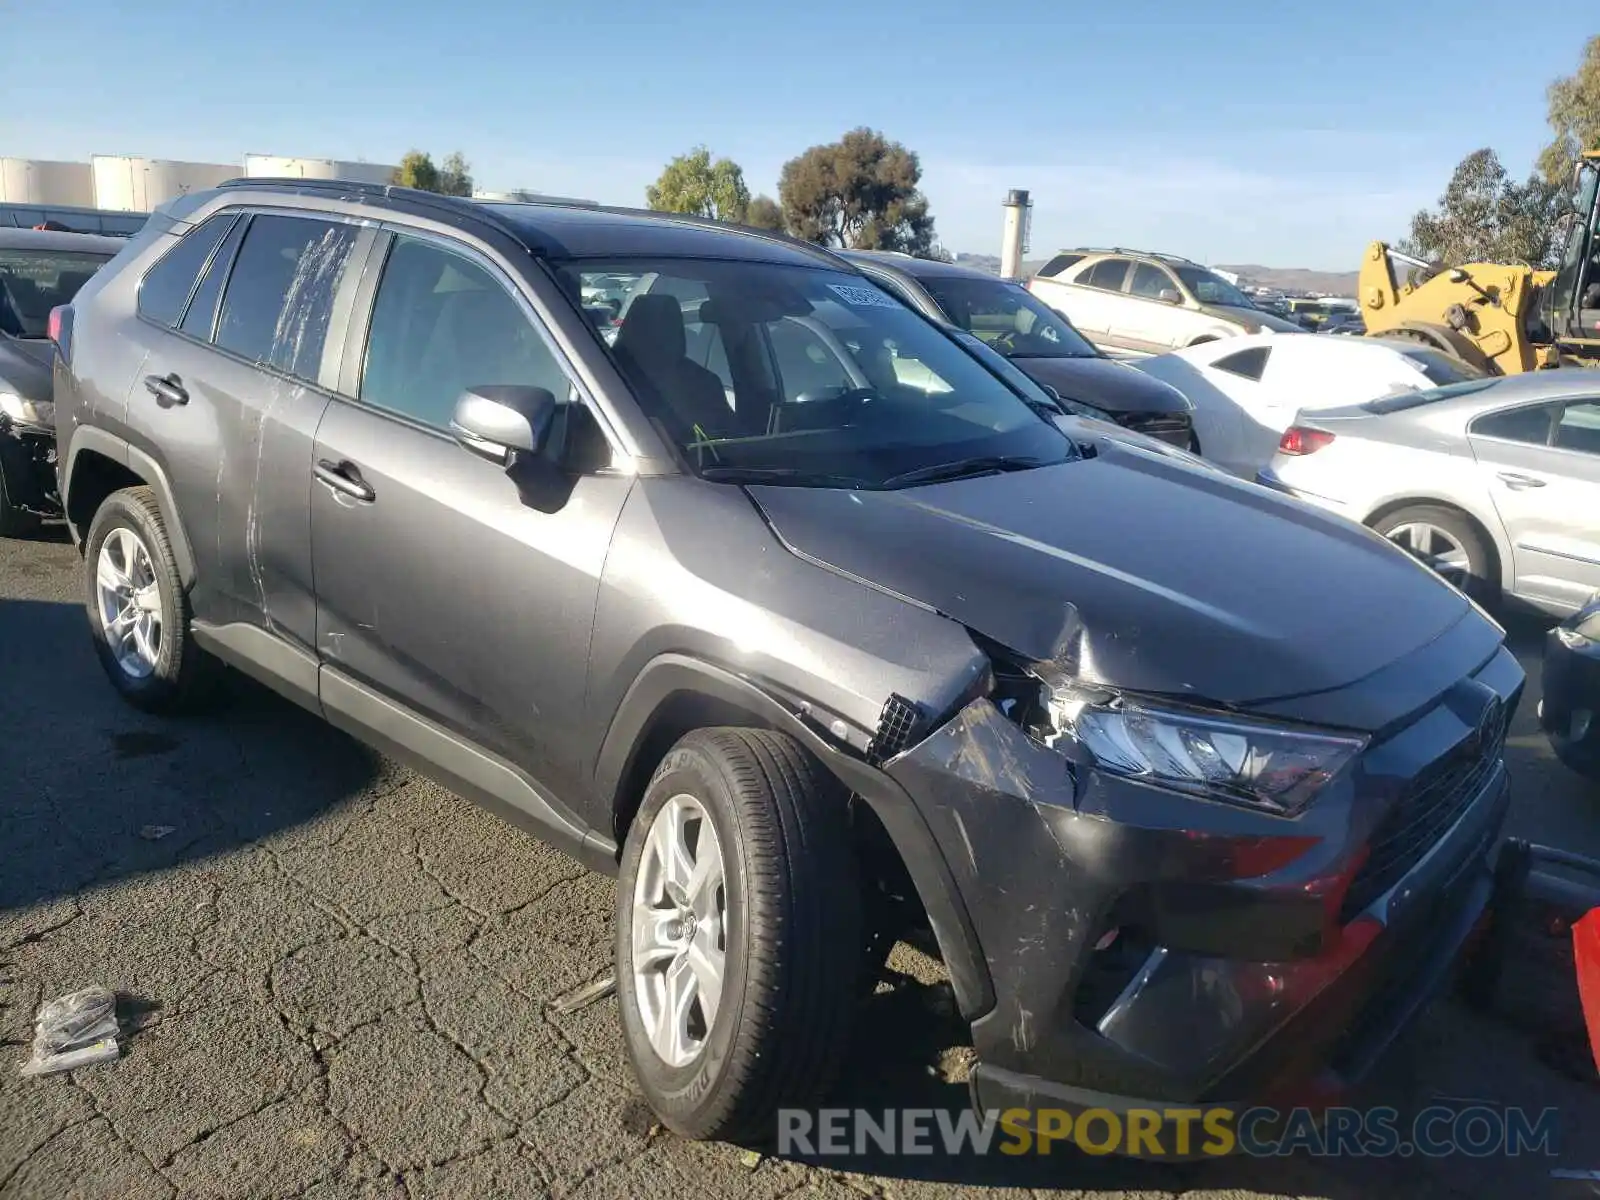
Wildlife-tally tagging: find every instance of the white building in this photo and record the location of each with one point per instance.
(274, 166)
(125, 183)
(41, 181)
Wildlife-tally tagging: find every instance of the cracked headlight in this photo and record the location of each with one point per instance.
(28, 412)
(1271, 768)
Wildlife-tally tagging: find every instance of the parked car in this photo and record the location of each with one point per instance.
(1170, 805)
(38, 270)
(1148, 302)
(1344, 323)
(1037, 339)
(1246, 391)
(1569, 708)
(108, 222)
(1494, 482)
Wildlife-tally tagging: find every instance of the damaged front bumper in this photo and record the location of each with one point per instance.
(28, 463)
(1148, 949)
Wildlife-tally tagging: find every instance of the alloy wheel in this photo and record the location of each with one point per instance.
(1435, 547)
(129, 602)
(680, 931)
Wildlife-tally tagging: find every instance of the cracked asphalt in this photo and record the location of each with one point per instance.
(336, 978)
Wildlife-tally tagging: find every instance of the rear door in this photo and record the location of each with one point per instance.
(234, 390)
(1541, 464)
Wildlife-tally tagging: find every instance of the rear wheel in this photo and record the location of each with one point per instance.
(738, 933)
(138, 611)
(1447, 541)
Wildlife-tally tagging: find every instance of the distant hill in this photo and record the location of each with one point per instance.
(1296, 279)
(1288, 279)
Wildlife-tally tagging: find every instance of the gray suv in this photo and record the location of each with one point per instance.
(809, 657)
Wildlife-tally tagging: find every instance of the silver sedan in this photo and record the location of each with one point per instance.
(1495, 483)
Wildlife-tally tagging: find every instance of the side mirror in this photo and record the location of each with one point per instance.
(1169, 296)
(498, 421)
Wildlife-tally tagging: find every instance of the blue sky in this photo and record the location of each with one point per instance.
(1285, 132)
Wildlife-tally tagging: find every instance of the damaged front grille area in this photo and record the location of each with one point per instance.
(1174, 430)
(1433, 802)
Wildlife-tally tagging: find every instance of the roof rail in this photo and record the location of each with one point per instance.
(771, 235)
(459, 207)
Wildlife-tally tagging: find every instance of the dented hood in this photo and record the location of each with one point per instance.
(1132, 570)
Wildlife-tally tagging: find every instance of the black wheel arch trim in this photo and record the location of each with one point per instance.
(89, 437)
(669, 675)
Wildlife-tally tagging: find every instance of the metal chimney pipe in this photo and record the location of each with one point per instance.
(1014, 240)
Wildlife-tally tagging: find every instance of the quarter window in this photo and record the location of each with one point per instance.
(1059, 264)
(1530, 424)
(1247, 364)
(442, 324)
(201, 316)
(1107, 274)
(280, 293)
(165, 289)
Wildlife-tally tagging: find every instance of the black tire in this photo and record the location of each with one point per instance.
(793, 935)
(183, 675)
(1481, 581)
(15, 522)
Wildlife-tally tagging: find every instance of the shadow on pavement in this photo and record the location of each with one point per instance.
(93, 789)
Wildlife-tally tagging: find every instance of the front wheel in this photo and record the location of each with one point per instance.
(738, 933)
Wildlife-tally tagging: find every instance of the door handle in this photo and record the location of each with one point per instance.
(345, 476)
(1518, 482)
(167, 389)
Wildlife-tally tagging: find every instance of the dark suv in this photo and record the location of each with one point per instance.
(806, 657)
(1038, 340)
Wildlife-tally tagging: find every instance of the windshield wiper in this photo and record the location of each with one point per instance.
(965, 468)
(781, 475)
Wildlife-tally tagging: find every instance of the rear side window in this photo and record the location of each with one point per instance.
(1517, 425)
(1059, 264)
(201, 315)
(1107, 275)
(1247, 364)
(165, 289)
(280, 293)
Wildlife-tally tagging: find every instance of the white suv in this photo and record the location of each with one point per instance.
(1150, 302)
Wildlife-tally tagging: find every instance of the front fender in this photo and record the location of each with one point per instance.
(671, 675)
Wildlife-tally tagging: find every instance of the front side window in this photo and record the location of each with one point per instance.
(441, 323)
(164, 291)
(1009, 317)
(828, 378)
(1579, 428)
(1209, 288)
(1529, 424)
(1150, 282)
(32, 282)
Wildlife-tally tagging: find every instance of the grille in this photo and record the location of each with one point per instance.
(1432, 803)
(1175, 430)
(897, 728)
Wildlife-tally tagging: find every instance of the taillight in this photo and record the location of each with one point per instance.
(1297, 439)
(60, 330)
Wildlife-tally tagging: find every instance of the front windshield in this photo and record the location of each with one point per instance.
(758, 371)
(1008, 317)
(32, 282)
(1208, 288)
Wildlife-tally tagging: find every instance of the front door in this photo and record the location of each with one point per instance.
(440, 587)
(1542, 468)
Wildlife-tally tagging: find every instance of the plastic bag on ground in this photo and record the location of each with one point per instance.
(75, 1030)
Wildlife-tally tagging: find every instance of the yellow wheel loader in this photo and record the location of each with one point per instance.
(1504, 319)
